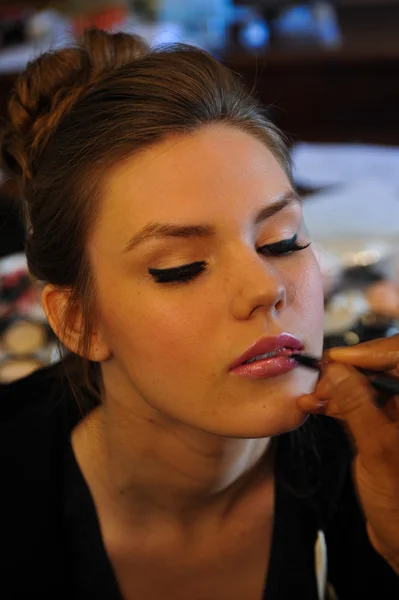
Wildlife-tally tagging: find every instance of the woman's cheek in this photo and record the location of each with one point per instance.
(306, 295)
(313, 301)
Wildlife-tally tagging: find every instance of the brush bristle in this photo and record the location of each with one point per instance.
(307, 361)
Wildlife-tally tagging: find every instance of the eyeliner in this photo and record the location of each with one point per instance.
(389, 386)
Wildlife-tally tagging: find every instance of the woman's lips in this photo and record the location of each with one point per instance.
(279, 344)
(268, 357)
(266, 367)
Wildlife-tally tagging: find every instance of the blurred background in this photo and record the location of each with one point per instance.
(328, 72)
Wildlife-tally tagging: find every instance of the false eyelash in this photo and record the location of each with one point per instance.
(283, 248)
(178, 274)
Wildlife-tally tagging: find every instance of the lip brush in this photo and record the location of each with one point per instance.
(382, 383)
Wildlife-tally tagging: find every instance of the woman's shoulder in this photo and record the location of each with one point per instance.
(29, 395)
(34, 396)
(37, 414)
(36, 417)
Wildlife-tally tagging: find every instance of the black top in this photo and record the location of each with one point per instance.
(51, 542)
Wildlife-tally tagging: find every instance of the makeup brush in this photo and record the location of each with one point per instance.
(382, 383)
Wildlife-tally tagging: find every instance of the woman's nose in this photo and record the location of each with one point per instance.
(261, 287)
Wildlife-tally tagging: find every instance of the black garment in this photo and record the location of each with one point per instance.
(51, 543)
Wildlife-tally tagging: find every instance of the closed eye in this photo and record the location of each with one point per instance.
(180, 274)
(186, 273)
(283, 247)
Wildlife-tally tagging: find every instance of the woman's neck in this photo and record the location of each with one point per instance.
(150, 470)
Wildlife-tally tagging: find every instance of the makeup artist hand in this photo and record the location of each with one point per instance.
(345, 394)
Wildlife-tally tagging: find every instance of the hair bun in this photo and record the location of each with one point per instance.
(49, 87)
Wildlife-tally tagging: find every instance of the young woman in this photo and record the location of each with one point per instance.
(162, 219)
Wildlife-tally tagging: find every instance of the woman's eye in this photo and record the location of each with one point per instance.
(180, 274)
(185, 273)
(283, 248)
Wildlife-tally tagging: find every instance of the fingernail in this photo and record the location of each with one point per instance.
(336, 353)
(337, 374)
(322, 402)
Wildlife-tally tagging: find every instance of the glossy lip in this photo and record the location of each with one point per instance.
(267, 367)
(268, 344)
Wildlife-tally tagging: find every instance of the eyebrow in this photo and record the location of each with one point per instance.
(165, 230)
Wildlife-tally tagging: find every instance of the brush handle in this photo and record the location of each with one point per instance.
(387, 385)
(382, 383)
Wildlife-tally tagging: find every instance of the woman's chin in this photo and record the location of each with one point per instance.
(271, 427)
(274, 412)
(261, 423)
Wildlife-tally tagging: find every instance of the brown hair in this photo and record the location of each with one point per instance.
(77, 111)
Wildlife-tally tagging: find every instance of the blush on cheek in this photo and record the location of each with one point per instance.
(303, 282)
(151, 334)
(306, 295)
(313, 299)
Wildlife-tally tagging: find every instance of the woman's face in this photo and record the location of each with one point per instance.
(172, 332)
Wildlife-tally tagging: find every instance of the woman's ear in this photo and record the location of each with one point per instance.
(70, 333)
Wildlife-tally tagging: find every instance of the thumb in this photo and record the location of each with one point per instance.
(352, 400)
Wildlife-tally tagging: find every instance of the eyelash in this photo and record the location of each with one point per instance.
(186, 273)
